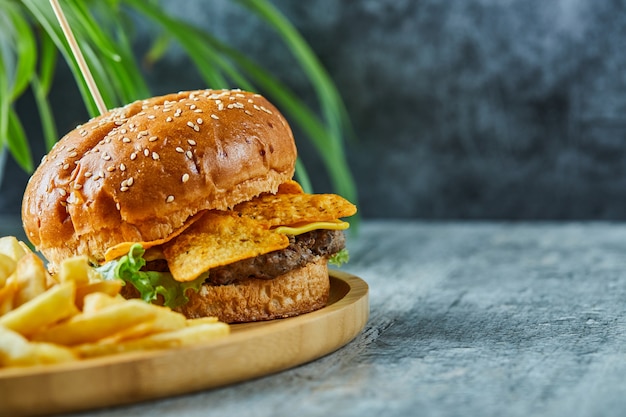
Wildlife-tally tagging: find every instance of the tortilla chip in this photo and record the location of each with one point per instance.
(290, 187)
(122, 249)
(219, 238)
(289, 209)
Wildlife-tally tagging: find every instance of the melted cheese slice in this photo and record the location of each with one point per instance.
(307, 227)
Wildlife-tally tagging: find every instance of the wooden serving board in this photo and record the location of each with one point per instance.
(252, 350)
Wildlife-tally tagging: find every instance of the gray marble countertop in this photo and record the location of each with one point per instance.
(489, 319)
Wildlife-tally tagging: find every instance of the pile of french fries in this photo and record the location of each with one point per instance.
(73, 314)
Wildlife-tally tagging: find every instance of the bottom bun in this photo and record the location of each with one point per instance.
(296, 292)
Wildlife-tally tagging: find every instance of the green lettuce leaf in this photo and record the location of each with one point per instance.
(149, 284)
(340, 258)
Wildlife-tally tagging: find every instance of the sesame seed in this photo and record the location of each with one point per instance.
(190, 124)
(125, 140)
(101, 174)
(123, 188)
(189, 154)
(198, 111)
(111, 168)
(62, 192)
(117, 206)
(179, 149)
(123, 131)
(122, 167)
(230, 106)
(155, 156)
(213, 116)
(151, 116)
(199, 121)
(196, 128)
(191, 142)
(130, 181)
(153, 138)
(185, 178)
(146, 152)
(220, 106)
(133, 156)
(250, 101)
(169, 119)
(78, 186)
(66, 166)
(73, 154)
(87, 174)
(248, 112)
(169, 199)
(192, 107)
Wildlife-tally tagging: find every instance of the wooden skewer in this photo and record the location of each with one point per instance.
(80, 59)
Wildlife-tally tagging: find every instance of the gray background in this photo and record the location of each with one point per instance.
(462, 109)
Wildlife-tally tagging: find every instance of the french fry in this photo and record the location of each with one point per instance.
(10, 246)
(48, 308)
(7, 267)
(89, 328)
(110, 288)
(74, 269)
(182, 337)
(16, 350)
(96, 301)
(165, 320)
(201, 320)
(47, 353)
(7, 293)
(31, 278)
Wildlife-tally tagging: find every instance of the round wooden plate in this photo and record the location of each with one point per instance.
(252, 350)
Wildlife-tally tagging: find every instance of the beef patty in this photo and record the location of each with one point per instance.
(302, 249)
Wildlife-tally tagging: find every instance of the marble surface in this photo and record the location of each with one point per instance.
(466, 318)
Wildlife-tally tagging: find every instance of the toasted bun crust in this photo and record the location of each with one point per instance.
(297, 292)
(137, 173)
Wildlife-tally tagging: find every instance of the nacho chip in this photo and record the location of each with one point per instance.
(122, 249)
(219, 238)
(290, 187)
(289, 209)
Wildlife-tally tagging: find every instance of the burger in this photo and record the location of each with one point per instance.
(189, 199)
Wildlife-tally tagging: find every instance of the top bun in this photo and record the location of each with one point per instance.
(139, 172)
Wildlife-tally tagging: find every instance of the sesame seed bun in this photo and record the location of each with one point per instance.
(138, 173)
